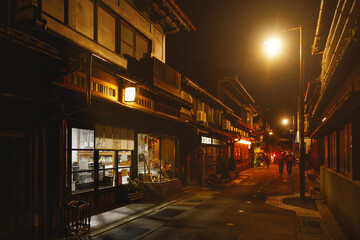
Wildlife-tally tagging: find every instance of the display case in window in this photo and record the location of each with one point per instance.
(107, 168)
(124, 167)
(82, 170)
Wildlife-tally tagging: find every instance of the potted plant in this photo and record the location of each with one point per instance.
(134, 190)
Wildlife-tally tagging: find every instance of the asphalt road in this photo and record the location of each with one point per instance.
(247, 208)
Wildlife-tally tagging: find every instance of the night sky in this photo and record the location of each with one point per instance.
(230, 39)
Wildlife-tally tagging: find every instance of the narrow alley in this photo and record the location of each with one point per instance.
(256, 205)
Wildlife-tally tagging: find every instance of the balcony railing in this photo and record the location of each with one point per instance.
(161, 75)
(346, 14)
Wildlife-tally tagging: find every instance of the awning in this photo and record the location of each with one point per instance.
(341, 112)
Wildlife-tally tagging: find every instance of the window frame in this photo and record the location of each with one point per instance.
(104, 7)
(69, 151)
(96, 155)
(135, 34)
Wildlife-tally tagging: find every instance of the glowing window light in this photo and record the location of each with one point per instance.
(130, 94)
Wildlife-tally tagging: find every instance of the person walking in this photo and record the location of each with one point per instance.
(289, 163)
(281, 161)
(267, 160)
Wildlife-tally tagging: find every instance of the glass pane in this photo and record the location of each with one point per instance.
(126, 49)
(141, 47)
(167, 157)
(124, 158)
(148, 158)
(82, 138)
(123, 175)
(82, 160)
(82, 176)
(127, 35)
(107, 159)
(106, 29)
(107, 178)
(124, 167)
(82, 181)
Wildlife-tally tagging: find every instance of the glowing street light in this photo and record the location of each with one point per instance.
(273, 46)
(285, 121)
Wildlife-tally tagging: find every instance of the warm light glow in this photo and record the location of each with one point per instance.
(244, 142)
(130, 94)
(285, 121)
(271, 133)
(236, 139)
(323, 120)
(273, 46)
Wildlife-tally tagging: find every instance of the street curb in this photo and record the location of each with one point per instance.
(136, 216)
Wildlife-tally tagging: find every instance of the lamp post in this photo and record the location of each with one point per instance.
(273, 46)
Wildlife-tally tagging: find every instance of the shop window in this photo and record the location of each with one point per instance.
(107, 168)
(82, 159)
(167, 157)
(106, 29)
(153, 165)
(82, 177)
(211, 160)
(82, 139)
(121, 139)
(148, 158)
(124, 167)
(112, 146)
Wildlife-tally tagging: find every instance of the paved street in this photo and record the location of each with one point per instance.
(256, 205)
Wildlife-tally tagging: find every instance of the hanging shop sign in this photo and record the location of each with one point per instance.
(215, 141)
(211, 141)
(205, 140)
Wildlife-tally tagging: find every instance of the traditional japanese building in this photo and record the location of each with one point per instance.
(334, 113)
(89, 103)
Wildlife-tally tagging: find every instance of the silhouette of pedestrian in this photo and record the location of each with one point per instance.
(267, 160)
(281, 161)
(289, 162)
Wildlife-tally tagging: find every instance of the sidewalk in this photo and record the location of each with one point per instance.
(106, 221)
(328, 222)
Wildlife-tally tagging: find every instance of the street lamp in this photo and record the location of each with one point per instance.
(272, 48)
(285, 121)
